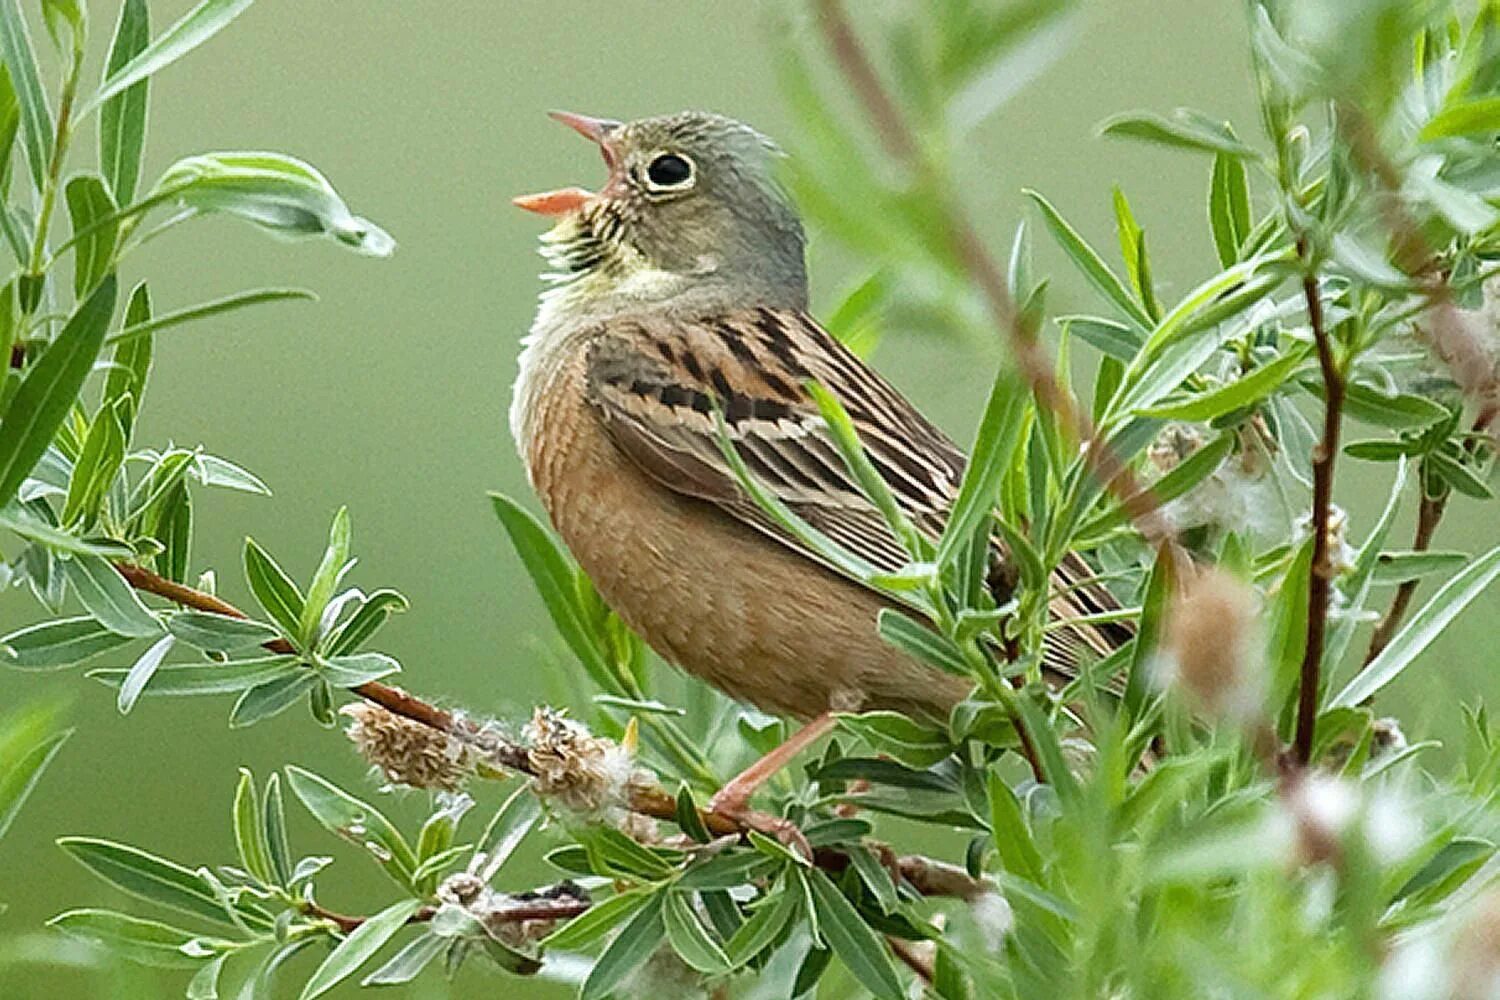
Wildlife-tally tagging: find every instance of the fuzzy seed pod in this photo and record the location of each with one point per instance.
(406, 752)
(1211, 648)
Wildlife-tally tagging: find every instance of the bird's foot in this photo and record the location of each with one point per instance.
(735, 805)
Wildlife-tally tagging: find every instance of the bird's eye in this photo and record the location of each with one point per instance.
(668, 170)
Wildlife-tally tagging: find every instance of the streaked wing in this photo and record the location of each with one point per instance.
(656, 380)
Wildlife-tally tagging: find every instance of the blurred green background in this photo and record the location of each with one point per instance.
(390, 394)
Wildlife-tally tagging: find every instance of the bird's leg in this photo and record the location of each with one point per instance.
(733, 800)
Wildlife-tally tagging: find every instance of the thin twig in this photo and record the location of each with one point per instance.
(927, 876)
(347, 924)
(1138, 501)
(1320, 580)
(1429, 514)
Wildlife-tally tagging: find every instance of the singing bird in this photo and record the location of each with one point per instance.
(679, 293)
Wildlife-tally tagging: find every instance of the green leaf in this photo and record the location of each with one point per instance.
(1090, 263)
(1400, 412)
(219, 633)
(90, 208)
(1426, 625)
(597, 920)
(249, 832)
(332, 568)
(272, 697)
(1228, 208)
(45, 396)
(20, 774)
(409, 962)
(635, 943)
(273, 830)
(908, 741)
(1470, 117)
(356, 949)
(1189, 473)
(1288, 622)
(1243, 391)
(507, 828)
(273, 588)
(870, 481)
(205, 982)
(106, 596)
(765, 925)
(98, 463)
(61, 643)
(371, 614)
(213, 307)
(145, 942)
(552, 574)
(214, 471)
(1398, 567)
(994, 446)
(355, 821)
(154, 879)
(122, 118)
(909, 635)
(1186, 129)
(851, 939)
(140, 674)
(690, 939)
(36, 116)
(1012, 837)
(215, 678)
(190, 31)
(1115, 340)
(277, 192)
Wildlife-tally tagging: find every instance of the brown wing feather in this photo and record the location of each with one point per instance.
(655, 383)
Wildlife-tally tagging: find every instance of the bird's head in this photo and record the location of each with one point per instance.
(692, 205)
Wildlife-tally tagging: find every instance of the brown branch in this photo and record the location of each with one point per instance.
(1429, 515)
(1320, 580)
(1138, 501)
(347, 924)
(928, 876)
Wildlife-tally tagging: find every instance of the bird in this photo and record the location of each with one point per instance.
(676, 310)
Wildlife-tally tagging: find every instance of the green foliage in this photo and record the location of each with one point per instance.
(1111, 831)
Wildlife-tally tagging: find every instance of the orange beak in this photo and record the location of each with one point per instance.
(565, 200)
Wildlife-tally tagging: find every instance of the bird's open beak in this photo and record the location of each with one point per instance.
(565, 200)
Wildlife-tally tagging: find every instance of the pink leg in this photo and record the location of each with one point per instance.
(733, 800)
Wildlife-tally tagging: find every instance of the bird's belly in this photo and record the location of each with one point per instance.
(712, 596)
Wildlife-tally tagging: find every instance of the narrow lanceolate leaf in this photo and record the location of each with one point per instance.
(1425, 626)
(271, 698)
(20, 775)
(60, 643)
(552, 575)
(207, 679)
(90, 207)
(141, 673)
(145, 942)
(273, 588)
(98, 463)
(273, 830)
(203, 310)
(214, 471)
(195, 27)
(106, 596)
(689, 938)
(154, 879)
(277, 192)
(909, 635)
(852, 940)
(1090, 263)
(249, 833)
(41, 403)
(993, 447)
(359, 946)
(36, 116)
(219, 633)
(1185, 129)
(1233, 395)
(1479, 115)
(408, 963)
(326, 578)
(630, 948)
(597, 921)
(1228, 208)
(122, 118)
(504, 833)
(355, 821)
